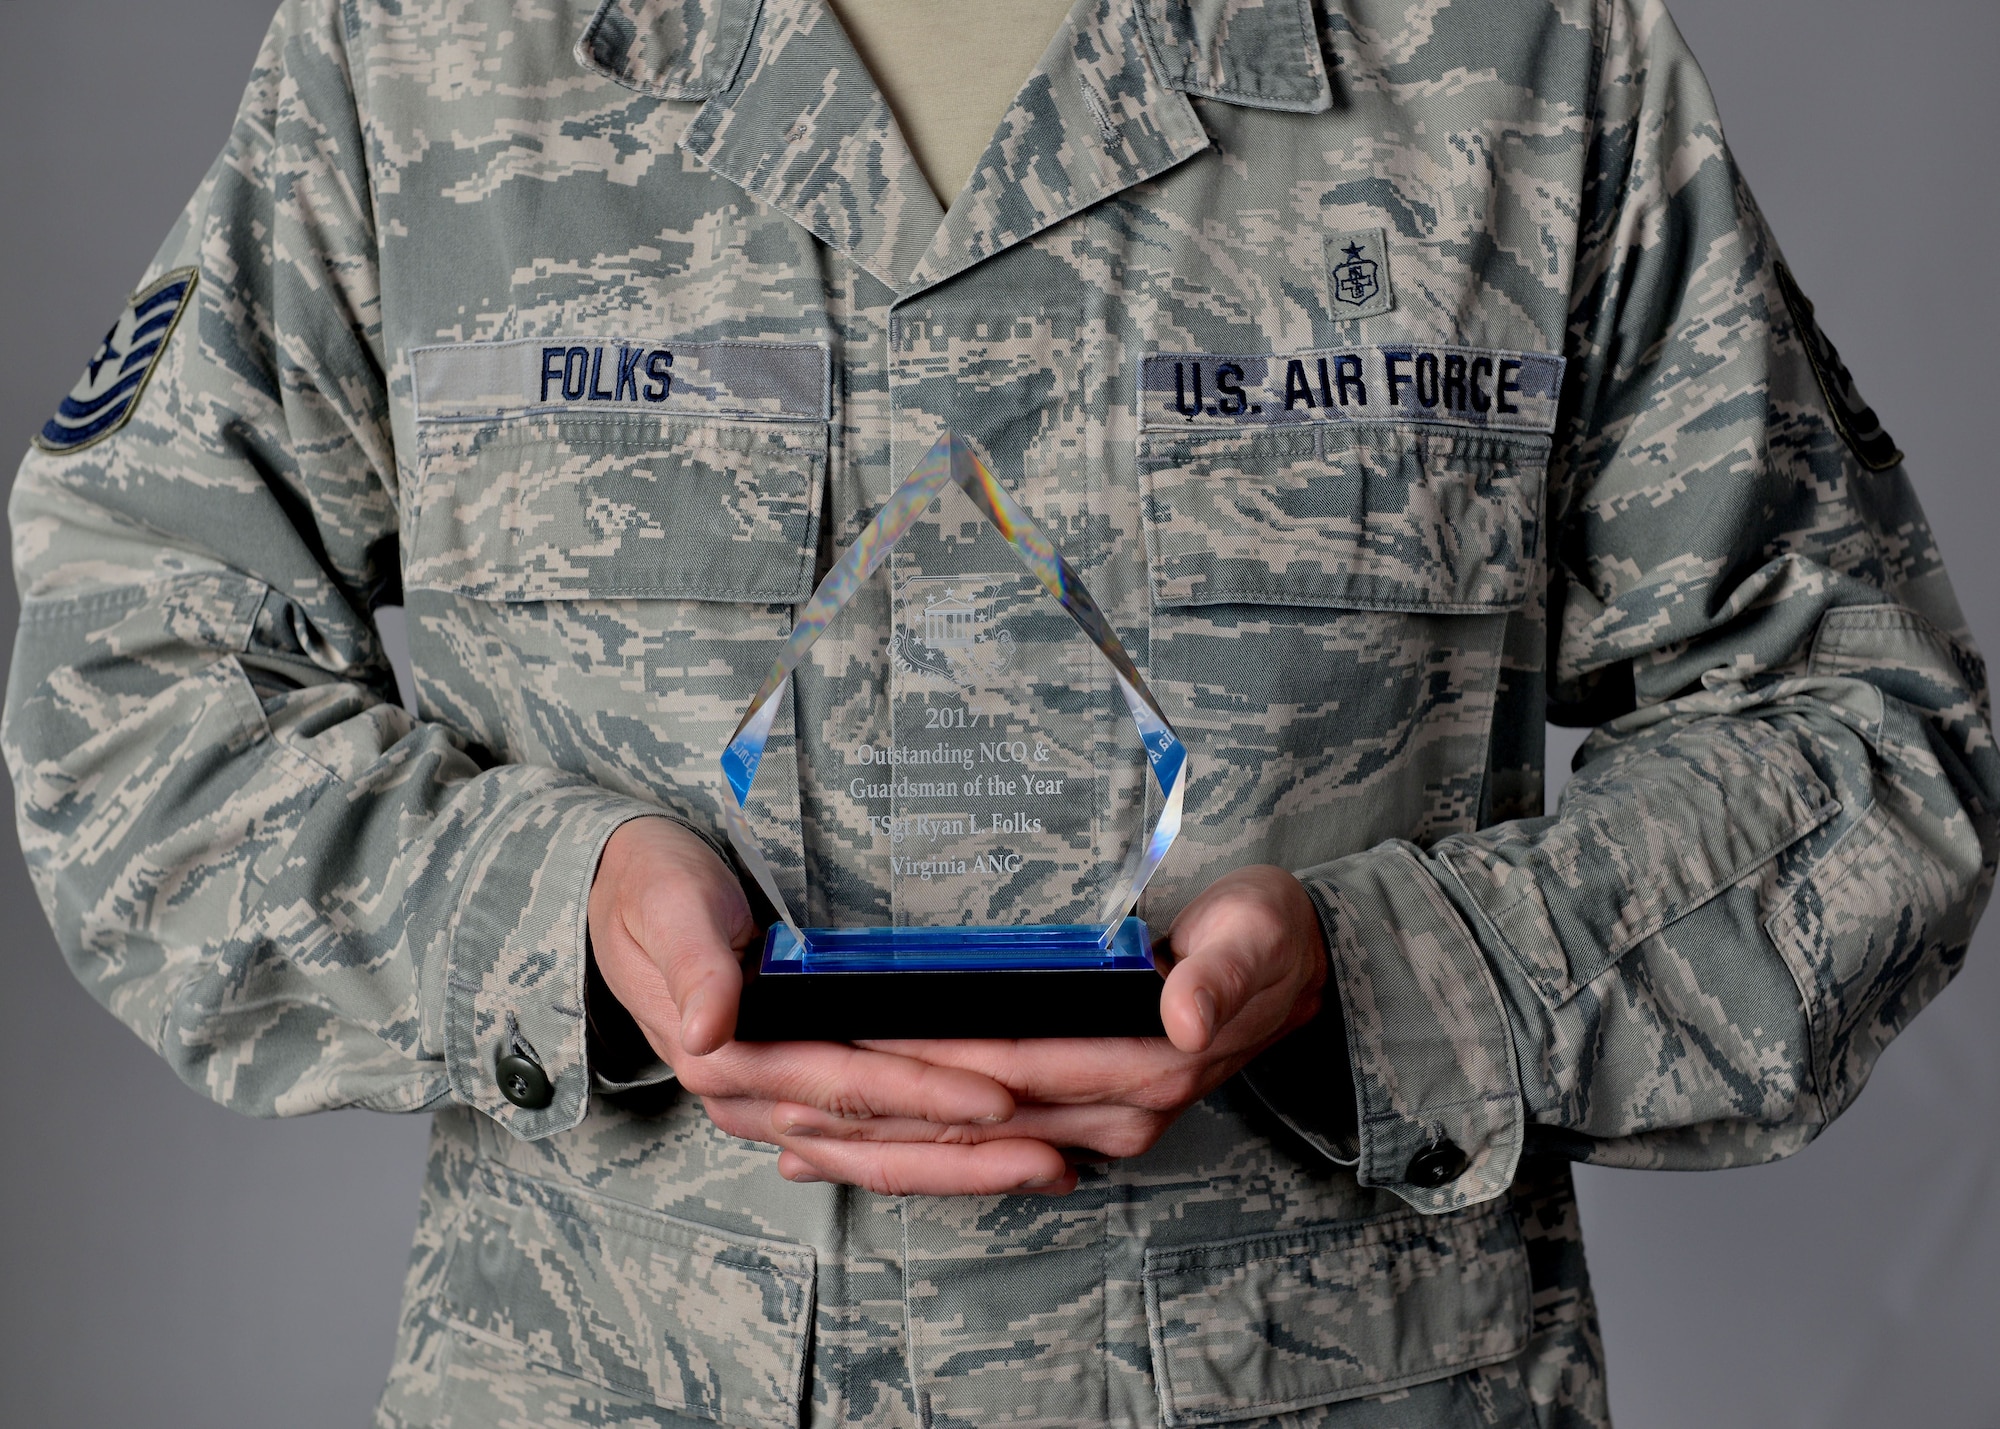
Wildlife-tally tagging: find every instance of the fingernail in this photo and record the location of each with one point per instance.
(1040, 1181)
(994, 1120)
(795, 1129)
(804, 1178)
(1204, 1003)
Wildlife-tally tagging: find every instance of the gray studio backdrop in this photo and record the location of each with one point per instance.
(166, 1263)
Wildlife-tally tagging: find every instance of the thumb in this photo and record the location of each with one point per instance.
(1230, 944)
(693, 921)
(705, 981)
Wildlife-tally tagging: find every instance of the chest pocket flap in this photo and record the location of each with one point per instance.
(1266, 1325)
(1431, 519)
(566, 507)
(686, 1317)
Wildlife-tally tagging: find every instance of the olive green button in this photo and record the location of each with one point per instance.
(1436, 1166)
(523, 1082)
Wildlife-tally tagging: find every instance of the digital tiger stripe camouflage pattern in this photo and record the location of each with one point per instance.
(590, 334)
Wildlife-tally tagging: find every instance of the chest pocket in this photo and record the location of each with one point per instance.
(1423, 520)
(601, 592)
(1330, 605)
(560, 507)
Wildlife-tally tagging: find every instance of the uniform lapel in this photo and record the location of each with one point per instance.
(1107, 108)
(793, 116)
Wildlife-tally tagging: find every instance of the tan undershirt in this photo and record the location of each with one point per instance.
(949, 69)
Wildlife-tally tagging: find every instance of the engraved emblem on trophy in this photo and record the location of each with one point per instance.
(1015, 790)
(952, 637)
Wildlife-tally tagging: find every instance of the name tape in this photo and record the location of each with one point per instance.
(1458, 386)
(479, 381)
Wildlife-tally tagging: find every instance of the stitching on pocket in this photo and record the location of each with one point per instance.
(797, 452)
(780, 1261)
(1190, 526)
(1466, 1231)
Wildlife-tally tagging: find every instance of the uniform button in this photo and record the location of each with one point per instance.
(1435, 1166)
(523, 1082)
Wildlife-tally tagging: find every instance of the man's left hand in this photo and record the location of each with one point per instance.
(1250, 964)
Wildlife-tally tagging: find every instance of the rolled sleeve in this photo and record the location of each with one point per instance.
(1427, 1035)
(517, 949)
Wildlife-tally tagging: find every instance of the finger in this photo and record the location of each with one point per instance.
(747, 1118)
(1111, 1131)
(694, 947)
(1058, 1070)
(849, 1082)
(706, 986)
(855, 1083)
(996, 1168)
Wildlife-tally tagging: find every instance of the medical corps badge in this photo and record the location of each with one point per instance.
(1357, 273)
(1354, 281)
(115, 377)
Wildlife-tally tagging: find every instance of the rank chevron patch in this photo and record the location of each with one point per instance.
(115, 377)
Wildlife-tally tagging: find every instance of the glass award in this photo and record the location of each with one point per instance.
(1003, 787)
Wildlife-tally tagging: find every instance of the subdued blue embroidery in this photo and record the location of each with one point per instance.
(116, 375)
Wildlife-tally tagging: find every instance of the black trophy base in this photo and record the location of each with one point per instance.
(851, 985)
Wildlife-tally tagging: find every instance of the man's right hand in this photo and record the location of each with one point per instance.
(668, 927)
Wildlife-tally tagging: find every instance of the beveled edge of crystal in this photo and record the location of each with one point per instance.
(952, 460)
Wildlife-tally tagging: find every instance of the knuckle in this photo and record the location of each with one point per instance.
(735, 1118)
(1164, 1091)
(844, 1101)
(1134, 1136)
(1233, 977)
(884, 1181)
(1267, 924)
(700, 1076)
(1123, 1145)
(1174, 1090)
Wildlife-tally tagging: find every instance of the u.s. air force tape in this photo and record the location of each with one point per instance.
(479, 381)
(1459, 386)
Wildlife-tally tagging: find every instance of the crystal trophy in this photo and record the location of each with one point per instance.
(997, 761)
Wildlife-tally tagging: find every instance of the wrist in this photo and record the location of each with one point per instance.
(619, 1053)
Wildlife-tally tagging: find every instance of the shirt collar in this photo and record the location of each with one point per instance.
(1260, 53)
(671, 49)
(792, 115)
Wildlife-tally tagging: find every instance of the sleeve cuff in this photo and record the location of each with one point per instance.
(516, 959)
(621, 1059)
(1307, 1082)
(1441, 1117)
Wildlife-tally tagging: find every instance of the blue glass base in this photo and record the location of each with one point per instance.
(1042, 947)
(846, 984)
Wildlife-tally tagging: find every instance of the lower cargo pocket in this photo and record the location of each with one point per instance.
(660, 1310)
(494, 1384)
(1266, 1325)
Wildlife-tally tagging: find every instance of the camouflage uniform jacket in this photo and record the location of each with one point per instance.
(1393, 370)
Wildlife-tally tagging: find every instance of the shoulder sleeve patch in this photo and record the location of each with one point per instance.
(115, 377)
(1859, 427)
